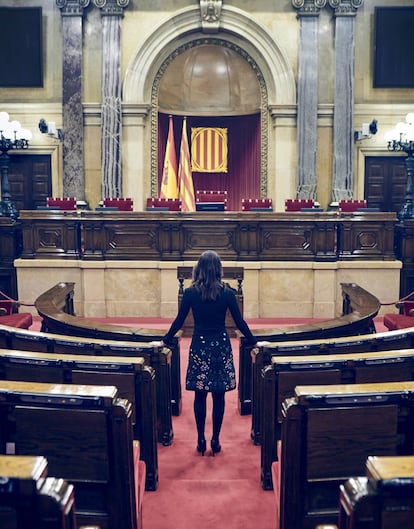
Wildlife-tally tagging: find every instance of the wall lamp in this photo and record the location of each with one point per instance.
(368, 129)
(401, 138)
(49, 127)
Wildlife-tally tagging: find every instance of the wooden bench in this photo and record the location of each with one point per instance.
(30, 498)
(261, 357)
(56, 307)
(234, 273)
(86, 435)
(134, 380)
(359, 308)
(285, 373)
(157, 357)
(328, 432)
(382, 499)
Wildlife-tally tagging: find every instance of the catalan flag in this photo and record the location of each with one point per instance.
(169, 187)
(185, 177)
(209, 150)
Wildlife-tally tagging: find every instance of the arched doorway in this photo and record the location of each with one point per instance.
(214, 86)
(239, 32)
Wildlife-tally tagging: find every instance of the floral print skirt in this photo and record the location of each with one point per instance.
(210, 364)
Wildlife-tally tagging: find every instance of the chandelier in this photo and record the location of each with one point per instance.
(401, 138)
(12, 136)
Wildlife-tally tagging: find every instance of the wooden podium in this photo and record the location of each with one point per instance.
(230, 273)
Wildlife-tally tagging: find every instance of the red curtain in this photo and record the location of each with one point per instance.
(243, 177)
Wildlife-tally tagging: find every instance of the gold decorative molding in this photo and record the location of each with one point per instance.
(264, 118)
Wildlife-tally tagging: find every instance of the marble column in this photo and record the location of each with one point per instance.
(111, 108)
(307, 103)
(72, 111)
(343, 123)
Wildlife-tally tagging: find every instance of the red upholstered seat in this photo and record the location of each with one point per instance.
(171, 204)
(394, 322)
(296, 204)
(21, 320)
(203, 195)
(123, 204)
(139, 477)
(350, 206)
(401, 321)
(256, 203)
(64, 203)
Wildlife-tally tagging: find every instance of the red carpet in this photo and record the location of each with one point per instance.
(221, 492)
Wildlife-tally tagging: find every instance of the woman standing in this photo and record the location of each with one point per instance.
(210, 367)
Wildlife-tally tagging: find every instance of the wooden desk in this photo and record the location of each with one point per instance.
(135, 382)
(29, 498)
(383, 498)
(175, 236)
(159, 358)
(56, 307)
(286, 372)
(359, 308)
(85, 433)
(328, 432)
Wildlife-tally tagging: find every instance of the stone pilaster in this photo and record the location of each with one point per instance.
(307, 103)
(111, 108)
(73, 163)
(343, 126)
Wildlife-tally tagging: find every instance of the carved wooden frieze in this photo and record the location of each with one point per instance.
(243, 237)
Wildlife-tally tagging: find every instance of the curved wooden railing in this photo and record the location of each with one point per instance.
(359, 309)
(56, 308)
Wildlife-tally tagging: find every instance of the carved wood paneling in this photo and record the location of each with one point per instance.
(235, 236)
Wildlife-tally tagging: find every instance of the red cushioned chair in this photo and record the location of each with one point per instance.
(296, 204)
(64, 203)
(203, 195)
(350, 206)
(394, 322)
(123, 204)
(170, 204)
(248, 204)
(14, 319)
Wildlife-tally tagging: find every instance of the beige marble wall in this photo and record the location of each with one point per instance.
(150, 288)
(276, 20)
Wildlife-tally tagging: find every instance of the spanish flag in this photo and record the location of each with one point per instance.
(185, 177)
(169, 187)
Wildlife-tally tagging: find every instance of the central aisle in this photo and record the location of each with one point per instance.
(221, 492)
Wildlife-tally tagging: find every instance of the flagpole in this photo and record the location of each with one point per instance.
(169, 185)
(185, 177)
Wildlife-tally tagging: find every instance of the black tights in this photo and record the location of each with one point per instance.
(200, 406)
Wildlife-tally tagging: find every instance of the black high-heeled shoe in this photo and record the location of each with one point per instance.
(215, 446)
(201, 446)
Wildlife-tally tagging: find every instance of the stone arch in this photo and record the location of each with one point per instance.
(240, 32)
(236, 27)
